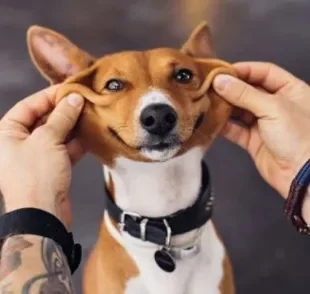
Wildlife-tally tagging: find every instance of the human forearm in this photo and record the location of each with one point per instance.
(33, 264)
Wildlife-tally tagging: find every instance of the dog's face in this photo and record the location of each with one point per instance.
(144, 105)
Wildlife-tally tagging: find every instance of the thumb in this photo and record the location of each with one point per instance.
(64, 116)
(242, 95)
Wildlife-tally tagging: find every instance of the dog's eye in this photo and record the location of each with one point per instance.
(183, 76)
(114, 85)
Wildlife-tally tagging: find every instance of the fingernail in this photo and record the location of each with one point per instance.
(221, 81)
(76, 100)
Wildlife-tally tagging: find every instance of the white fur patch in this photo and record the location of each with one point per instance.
(154, 96)
(106, 174)
(159, 189)
(135, 286)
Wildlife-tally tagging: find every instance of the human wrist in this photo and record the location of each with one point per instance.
(50, 208)
(305, 207)
(32, 221)
(285, 179)
(44, 201)
(297, 207)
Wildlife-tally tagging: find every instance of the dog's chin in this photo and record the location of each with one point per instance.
(160, 154)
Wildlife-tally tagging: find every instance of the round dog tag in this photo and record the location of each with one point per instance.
(164, 260)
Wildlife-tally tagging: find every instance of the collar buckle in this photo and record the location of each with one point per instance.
(123, 217)
(143, 226)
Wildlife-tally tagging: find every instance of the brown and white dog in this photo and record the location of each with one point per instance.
(149, 117)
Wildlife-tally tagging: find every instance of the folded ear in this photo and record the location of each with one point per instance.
(213, 66)
(54, 55)
(199, 43)
(209, 68)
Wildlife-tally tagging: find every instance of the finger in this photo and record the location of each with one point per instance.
(266, 75)
(245, 117)
(64, 117)
(261, 89)
(236, 134)
(243, 95)
(26, 112)
(71, 135)
(75, 151)
(40, 122)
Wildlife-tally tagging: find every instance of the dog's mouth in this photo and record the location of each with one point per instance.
(116, 136)
(159, 144)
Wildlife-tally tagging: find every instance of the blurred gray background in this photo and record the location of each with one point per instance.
(267, 255)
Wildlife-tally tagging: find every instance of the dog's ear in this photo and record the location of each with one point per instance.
(199, 44)
(54, 55)
(210, 67)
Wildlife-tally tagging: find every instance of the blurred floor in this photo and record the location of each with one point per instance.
(268, 256)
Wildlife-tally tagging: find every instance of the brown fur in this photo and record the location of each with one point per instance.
(109, 260)
(61, 61)
(227, 284)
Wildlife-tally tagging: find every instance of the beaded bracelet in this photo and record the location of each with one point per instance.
(294, 202)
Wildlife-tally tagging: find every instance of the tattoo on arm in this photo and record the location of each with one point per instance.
(6, 289)
(11, 256)
(57, 278)
(33, 264)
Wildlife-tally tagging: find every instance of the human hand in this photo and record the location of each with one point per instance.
(35, 164)
(278, 139)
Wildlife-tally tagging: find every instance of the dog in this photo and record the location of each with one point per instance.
(150, 116)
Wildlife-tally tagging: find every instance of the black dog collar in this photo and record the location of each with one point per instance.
(160, 230)
(41, 223)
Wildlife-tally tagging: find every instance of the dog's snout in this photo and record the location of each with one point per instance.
(158, 119)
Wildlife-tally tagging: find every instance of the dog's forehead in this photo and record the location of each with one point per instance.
(135, 61)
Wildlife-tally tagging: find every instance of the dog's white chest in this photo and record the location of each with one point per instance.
(201, 274)
(163, 189)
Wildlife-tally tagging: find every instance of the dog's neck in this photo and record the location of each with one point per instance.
(157, 189)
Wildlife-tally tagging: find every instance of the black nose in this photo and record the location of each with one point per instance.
(158, 119)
